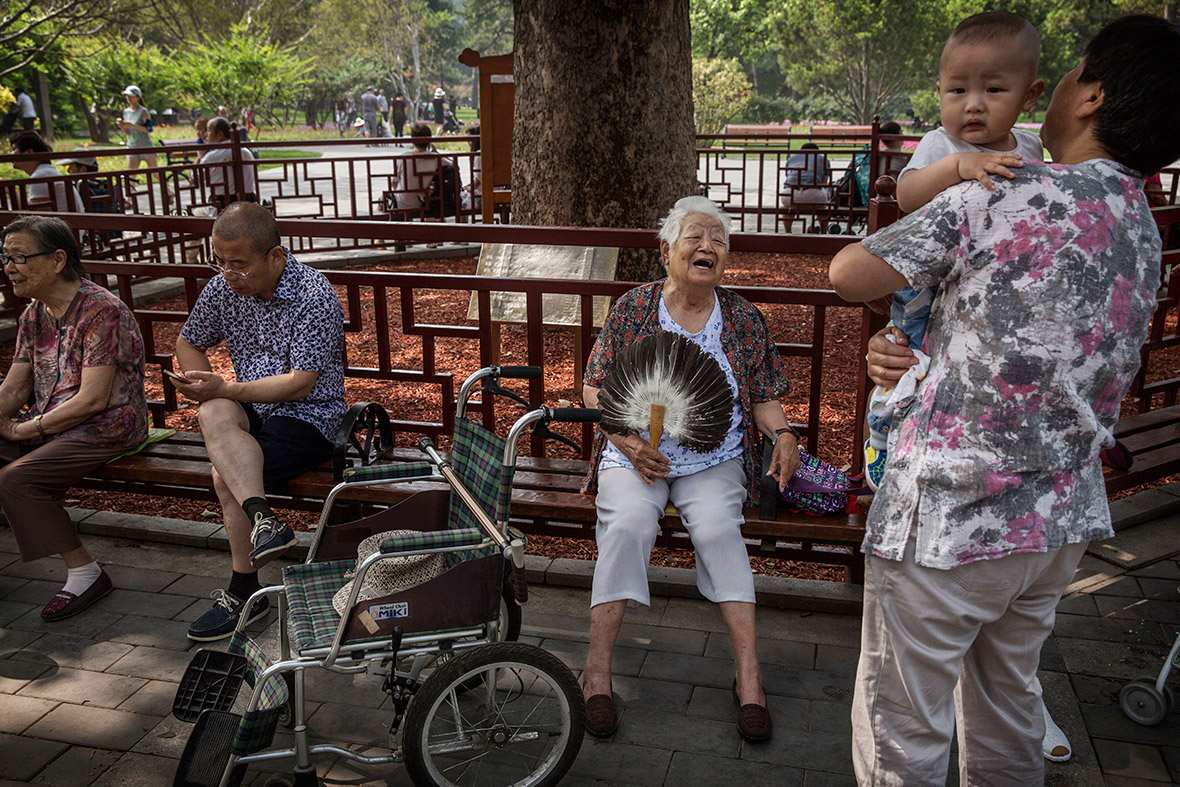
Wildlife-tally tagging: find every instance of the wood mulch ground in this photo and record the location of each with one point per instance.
(422, 402)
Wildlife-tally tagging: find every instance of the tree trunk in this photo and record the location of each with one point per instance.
(603, 131)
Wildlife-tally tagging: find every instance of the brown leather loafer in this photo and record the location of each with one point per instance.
(65, 605)
(754, 722)
(601, 717)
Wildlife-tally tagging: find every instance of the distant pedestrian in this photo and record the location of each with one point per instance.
(397, 114)
(439, 97)
(369, 107)
(382, 113)
(28, 113)
(136, 123)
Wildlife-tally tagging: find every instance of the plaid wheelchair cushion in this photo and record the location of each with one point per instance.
(256, 730)
(389, 472)
(310, 588)
(478, 457)
(439, 539)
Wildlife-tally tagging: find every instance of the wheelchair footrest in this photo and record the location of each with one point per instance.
(207, 752)
(211, 682)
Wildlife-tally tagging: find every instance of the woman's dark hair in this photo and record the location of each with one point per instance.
(1137, 61)
(890, 127)
(473, 131)
(51, 234)
(421, 130)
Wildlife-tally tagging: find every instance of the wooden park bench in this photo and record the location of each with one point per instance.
(839, 136)
(545, 498)
(757, 135)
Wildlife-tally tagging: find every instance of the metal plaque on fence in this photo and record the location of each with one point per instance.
(514, 260)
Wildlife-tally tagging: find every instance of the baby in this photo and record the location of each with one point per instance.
(987, 76)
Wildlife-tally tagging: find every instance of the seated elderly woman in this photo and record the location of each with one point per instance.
(635, 482)
(79, 367)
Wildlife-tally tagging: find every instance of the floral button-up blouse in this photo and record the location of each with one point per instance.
(97, 330)
(1046, 289)
(757, 366)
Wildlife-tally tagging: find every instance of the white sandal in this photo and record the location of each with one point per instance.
(1055, 746)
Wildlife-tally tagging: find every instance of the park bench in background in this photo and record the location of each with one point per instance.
(839, 136)
(757, 136)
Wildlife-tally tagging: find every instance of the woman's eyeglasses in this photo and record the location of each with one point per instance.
(20, 259)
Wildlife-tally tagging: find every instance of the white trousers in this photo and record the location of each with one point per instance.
(710, 505)
(959, 647)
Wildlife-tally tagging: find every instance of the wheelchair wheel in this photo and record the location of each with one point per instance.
(510, 615)
(523, 727)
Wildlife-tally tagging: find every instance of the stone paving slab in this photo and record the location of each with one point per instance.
(1143, 544)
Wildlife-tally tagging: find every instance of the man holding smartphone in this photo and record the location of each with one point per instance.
(284, 330)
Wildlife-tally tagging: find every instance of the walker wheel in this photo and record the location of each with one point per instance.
(1144, 704)
(279, 780)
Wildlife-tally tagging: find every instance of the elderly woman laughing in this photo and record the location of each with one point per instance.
(634, 481)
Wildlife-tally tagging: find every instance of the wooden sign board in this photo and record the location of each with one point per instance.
(514, 260)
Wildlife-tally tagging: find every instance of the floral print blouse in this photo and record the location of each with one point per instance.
(756, 364)
(1047, 286)
(97, 330)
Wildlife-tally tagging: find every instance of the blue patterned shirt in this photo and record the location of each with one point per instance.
(1046, 288)
(300, 328)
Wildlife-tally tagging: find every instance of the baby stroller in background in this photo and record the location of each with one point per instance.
(450, 123)
(470, 707)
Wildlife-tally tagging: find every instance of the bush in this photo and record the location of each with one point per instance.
(720, 91)
(766, 109)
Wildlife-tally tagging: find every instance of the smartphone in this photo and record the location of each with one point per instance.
(176, 376)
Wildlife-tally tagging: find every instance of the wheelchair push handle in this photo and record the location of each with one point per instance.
(517, 372)
(575, 415)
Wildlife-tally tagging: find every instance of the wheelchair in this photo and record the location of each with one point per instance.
(470, 705)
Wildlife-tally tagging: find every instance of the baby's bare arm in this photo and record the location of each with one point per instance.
(919, 186)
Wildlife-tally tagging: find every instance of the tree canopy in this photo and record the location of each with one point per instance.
(843, 60)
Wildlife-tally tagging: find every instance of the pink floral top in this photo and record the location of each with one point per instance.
(96, 330)
(1046, 288)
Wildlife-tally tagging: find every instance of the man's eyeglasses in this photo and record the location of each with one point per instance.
(20, 259)
(222, 267)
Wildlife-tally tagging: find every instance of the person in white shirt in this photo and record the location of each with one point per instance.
(413, 172)
(223, 184)
(64, 196)
(28, 113)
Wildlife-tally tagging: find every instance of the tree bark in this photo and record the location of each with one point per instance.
(603, 132)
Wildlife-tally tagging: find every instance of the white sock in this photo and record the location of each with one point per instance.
(79, 580)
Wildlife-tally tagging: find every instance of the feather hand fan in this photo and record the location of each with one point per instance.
(667, 383)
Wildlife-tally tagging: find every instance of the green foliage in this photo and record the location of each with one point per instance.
(720, 91)
(7, 99)
(99, 69)
(924, 104)
(242, 70)
(860, 53)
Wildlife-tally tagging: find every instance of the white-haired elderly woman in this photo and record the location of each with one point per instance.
(634, 482)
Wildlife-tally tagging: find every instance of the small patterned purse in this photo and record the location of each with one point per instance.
(819, 488)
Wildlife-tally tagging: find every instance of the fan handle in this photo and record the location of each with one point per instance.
(656, 429)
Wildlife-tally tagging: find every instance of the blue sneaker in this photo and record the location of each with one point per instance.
(220, 622)
(270, 538)
(874, 466)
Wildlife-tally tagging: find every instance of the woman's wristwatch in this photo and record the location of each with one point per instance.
(40, 428)
(788, 429)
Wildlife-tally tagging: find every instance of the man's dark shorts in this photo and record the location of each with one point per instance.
(290, 447)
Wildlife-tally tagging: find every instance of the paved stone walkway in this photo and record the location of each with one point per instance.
(86, 701)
